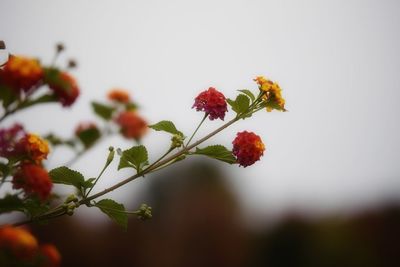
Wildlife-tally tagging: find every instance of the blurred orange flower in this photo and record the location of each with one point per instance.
(18, 241)
(34, 180)
(132, 125)
(119, 95)
(21, 73)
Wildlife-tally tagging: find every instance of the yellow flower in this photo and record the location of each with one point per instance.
(273, 94)
(37, 148)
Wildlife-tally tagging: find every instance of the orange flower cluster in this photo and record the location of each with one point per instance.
(28, 150)
(18, 247)
(26, 74)
(21, 73)
(34, 180)
(36, 148)
(18, 241)
(273, 94)
(132, 125)
(248, 148)
(119, 95)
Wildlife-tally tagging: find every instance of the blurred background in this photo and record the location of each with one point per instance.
(326, 192)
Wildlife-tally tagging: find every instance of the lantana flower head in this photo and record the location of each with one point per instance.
(21, 73)
(247, 148)
(18, 241)
(34, 180)
(272, 95)
(132, 125)
(36, 148)
(212, 102)
(64, 87)
(10, 140)
(119, 95)
(49, 256)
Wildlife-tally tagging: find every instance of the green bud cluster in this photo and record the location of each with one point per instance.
(144, 212)
(177, 141)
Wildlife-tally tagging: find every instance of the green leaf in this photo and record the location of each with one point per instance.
(248, 93)
(241, 103)
(34, 207)
(89, 136)
(64, 175)
(114, 210)
(47, 98)
(166, 126)
(88, 183)
(102, 110)
(135, 157)
(11, 203)
(131, 106)
(5, 170)
(7, 95)
(217, 152)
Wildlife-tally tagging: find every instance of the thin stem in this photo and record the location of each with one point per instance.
(121, 211)
(98, 177)
(198, 127)
(163, 156)
(21, 103)
(159, 164)
(151, 168)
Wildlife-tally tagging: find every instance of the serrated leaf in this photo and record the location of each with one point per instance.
(166, 126)
(64, 175)
(248, 93)
(89, 136)
(135, 157)
(11, 203)
(114, 210)
(218, 152)
(240, 104)
(102, 110)
(88, 183)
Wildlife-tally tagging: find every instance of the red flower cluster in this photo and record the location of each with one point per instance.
(34, 180)
(132, 125)
(248, 148)
(21, 73)
(10, 141)
(65, 88)
(20, 248)
(212, 102)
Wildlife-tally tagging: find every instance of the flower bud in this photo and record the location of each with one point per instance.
(110, 155)
(177, 141)
(144, 212)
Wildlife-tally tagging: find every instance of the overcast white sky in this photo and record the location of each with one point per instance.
(338, 63)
